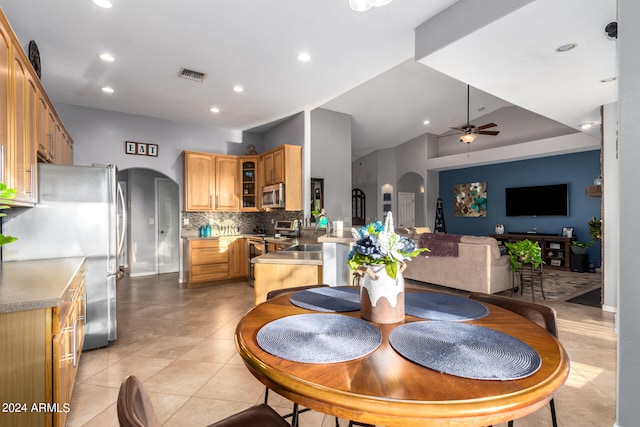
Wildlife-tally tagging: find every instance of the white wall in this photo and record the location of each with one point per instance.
(331, 160)
(99, 137)
(290, 131)
(628, 52)
(611, 207)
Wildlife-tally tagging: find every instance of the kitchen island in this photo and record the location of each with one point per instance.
(286, 269)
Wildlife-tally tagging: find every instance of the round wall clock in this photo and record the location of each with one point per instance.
(34, 57)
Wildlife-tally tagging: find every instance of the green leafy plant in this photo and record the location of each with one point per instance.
(595, 228)
(524, 252)
(6, 194)
(580, 247)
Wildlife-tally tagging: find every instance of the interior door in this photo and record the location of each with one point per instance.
(407, 209)
(167, 221)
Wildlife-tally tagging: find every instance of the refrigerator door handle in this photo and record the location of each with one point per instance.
(123, 226)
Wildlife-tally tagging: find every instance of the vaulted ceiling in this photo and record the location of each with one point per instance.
(362, 63)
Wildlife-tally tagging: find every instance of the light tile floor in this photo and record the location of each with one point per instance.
(179, 342)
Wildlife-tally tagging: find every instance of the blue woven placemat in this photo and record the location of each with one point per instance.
(428, 305)
(465, 350)
(319, 338)
(340, 298)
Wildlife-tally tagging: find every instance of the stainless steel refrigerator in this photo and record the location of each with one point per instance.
(76, 215)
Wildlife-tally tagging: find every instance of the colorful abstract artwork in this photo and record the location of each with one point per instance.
(471, 199)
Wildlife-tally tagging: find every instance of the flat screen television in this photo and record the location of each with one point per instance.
(539, 200)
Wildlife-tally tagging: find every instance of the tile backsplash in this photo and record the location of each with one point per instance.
(249, 222)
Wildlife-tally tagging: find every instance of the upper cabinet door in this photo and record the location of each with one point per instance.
(226, 183)
(198, 181)
(5, 62)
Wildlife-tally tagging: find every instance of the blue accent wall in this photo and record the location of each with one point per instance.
(578, 170)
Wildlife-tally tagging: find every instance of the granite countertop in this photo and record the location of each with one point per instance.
(342, 236)
(31, 285)
(291, 258)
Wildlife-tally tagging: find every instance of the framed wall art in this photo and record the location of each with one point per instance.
(470, 199)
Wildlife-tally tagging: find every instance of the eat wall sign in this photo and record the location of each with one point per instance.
(141, 148)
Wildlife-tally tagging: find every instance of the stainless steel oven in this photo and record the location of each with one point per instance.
(257, 247)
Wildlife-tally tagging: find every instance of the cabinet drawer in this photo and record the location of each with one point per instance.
(205, 273)
(208, 256)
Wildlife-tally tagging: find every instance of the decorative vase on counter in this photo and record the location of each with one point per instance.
(381, 297)
(499, 228)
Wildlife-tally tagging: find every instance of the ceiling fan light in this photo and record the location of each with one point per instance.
(359, 5)
(378, 3)
(468, 138)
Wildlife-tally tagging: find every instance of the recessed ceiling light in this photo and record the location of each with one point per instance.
(426, 122)
(106, 57)
(566, 47)
(608, 79)
(107, 89)
(586, 125)
(238, 88)
(214, 109)
(359, 5)
(103, 3)
(304, 57)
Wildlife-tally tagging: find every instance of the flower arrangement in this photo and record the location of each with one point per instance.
(379, 244)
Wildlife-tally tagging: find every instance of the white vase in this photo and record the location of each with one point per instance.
(499, 229)
(381, 297)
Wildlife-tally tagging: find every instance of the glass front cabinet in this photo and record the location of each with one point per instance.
(250, 188)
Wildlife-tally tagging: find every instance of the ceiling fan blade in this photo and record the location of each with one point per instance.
(458, 129)
(487, 126)
(488, 132)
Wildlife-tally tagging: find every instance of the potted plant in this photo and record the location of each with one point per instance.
(378, 258)
(595, 228)
(6, 194)
(580, 247)
(524, 252)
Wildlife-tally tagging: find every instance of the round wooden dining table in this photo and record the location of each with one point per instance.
(384, 388)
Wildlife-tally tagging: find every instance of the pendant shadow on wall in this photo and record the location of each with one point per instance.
(151, 244)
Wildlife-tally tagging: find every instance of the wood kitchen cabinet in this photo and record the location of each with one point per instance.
(198, 172)
(284, 165)
(250, 184)
(206, 260)
(41, 346)
(30, 129)
(227, 184)
(238, 258)
(211, 182)
(17, 123)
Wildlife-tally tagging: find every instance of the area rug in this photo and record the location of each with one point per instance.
(591, 298)
(562, 285)
(559, 285)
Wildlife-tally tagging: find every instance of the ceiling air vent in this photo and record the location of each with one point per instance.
(196, 76)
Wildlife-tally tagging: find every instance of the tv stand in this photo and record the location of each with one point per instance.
(556, 250)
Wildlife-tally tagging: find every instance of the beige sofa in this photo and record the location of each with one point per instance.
(479, 267)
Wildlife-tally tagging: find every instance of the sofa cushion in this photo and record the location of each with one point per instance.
(481, 240)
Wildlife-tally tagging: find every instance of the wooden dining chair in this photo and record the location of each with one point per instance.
(541, 315)
(135, 410)
(296, 411)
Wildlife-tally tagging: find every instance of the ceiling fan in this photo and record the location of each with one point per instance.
(470, 132)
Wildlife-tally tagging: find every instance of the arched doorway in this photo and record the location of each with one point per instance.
(153, 228)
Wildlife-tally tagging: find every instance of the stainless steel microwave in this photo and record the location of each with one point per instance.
(273, 196)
